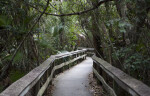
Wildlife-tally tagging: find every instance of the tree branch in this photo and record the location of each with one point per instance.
(77, 13)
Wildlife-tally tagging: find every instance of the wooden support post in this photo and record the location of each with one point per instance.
(52, 68)
(45, 78)
(69, 60)
(64, 68)
(49, 73)
(119, 91)
(61, 69)
(36, 89)
(94, 66)
(100, 72)
(78, 61)
(98, 69)
(85, 56)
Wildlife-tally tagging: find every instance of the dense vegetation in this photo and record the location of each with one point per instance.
(32, 30)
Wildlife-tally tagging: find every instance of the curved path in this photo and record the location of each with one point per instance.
(74, 82)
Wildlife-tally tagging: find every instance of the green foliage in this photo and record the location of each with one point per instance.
(137, 62)
(72, 38)
(17, 58)
(57, 30)
(120, 23)
(16, 74)
(134, 62)
(29, 19)
(121, 53)
(4, 21)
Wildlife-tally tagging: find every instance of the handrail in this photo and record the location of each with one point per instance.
(129, 84)
(45, 72)
(70, 53)
(91, 49)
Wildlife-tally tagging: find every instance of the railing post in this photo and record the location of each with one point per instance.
(54, 71)
(64, 68)
(36, 89)
(60, 61)
(85, 54)
(94, 66)
(67, 59)
(99, 70)
(45, 78)
(76, 57)
(49, 73)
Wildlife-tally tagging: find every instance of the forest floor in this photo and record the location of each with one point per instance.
(95, 87)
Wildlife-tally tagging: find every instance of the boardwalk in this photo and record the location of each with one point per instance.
(74, 82)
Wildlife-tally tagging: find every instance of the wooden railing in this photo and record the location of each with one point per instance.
(122, 84)
(35, 83)
(90, 51)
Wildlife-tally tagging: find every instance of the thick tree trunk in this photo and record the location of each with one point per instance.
(96, 32)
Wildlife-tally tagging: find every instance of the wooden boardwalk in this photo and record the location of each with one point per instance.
(74, 82)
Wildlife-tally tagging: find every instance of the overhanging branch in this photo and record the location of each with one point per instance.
(76, 13)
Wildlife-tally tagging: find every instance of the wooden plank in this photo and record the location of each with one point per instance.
(128, 83)
(105, 85)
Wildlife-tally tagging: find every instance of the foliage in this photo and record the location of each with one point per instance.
(16, 74)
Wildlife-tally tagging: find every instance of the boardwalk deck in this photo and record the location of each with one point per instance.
(74, 82)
